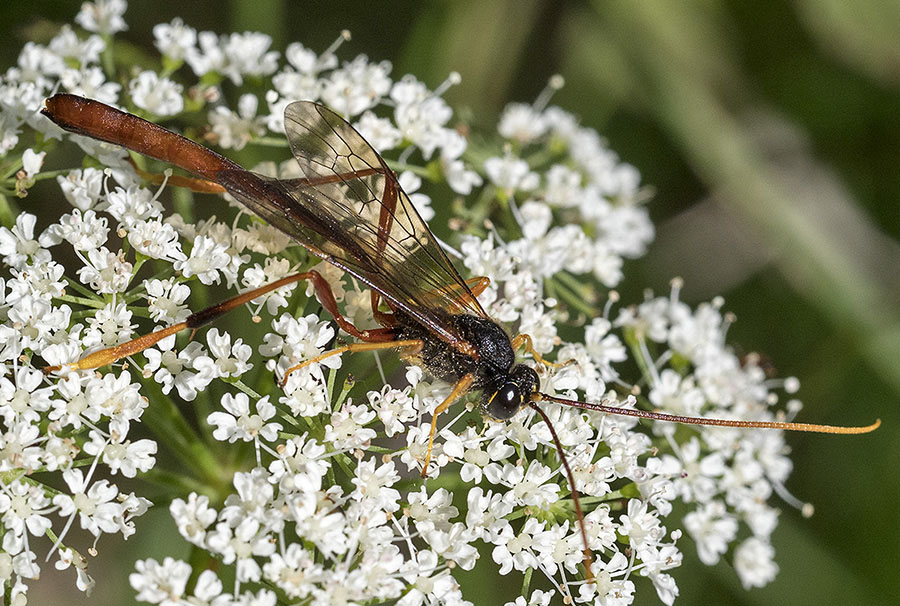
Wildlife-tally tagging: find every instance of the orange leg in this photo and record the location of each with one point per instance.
(477, 285)
(525, 340)
(385, 319)
(200, 186)
(205, 316)
(413, 344)
(205, 186)
(461, 387)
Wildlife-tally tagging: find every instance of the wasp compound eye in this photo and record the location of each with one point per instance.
(505, 402)
(514, 391)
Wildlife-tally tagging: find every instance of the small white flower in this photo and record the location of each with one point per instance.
(395, 408)
(347, 428)
(156, 240)
(24, 507)
(90, 82)
(84, 231)
(18, 244)
(110, 326)
(68, 45)
(375, 484)
(379, 132)
(206, 260)
(275, 269)
(239, 424)
(517, 551)
(511, 174)
(521, 123)
(235, 129)
(295, 571)
(174, 39)
(22, 399)
(209, 57)
(95, 503)
(562, 187)
(160, 583)
(32, 162)
(305, 61)
(69, 557)
(641, 525)
(421, 116)
(123, 455)
(225, 359)
(240, 546)
(116, 397)
(133, 204)
(754, 564)
(156, 95)
(356, 86)
(82, 188)
(193, 517)
(171, 369)
(460, 178)
(107, 272)
(298, 339)
(712, 529)
(102, 16)
(247, 54)
(165, 300)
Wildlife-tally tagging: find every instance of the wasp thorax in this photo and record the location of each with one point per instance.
(511, 392)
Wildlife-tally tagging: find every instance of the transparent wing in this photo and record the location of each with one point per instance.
(350, 210)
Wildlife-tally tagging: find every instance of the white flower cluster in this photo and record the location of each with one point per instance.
(328, 506)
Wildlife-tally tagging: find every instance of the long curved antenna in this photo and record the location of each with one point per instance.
(662, 416)
(588, 557)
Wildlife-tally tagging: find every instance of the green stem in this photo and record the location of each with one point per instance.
(94, 303)
(573, 299)
(402, 166)
(52, 174)
(176, 483)
(526, 582)
(634, 344)
(10, 169)
(246, 389)
(270, 142)
(7, 214)
(171, 428)
(70, 283)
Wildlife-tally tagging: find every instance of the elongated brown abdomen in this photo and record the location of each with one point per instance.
(100, 121)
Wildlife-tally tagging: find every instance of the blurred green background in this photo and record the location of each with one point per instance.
(771, 133)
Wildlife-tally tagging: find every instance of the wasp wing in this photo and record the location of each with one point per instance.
(349, 209)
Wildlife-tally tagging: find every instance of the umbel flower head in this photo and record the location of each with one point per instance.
(312, 493)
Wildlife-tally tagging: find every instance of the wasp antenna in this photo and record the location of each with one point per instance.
(588, 557)
(661, 416)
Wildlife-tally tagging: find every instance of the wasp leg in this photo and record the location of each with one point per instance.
(334, 178)
(385, 319)
(205, 186)
(525, 340)
(193, 321)
(461, 387)
(477, 285)
(205, 316)
(194, 184)
(414, 344)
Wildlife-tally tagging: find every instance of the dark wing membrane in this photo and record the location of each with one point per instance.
(349, 209)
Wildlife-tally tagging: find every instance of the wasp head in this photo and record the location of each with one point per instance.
(510, 392)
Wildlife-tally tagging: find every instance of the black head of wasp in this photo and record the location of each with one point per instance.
(349, 210)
